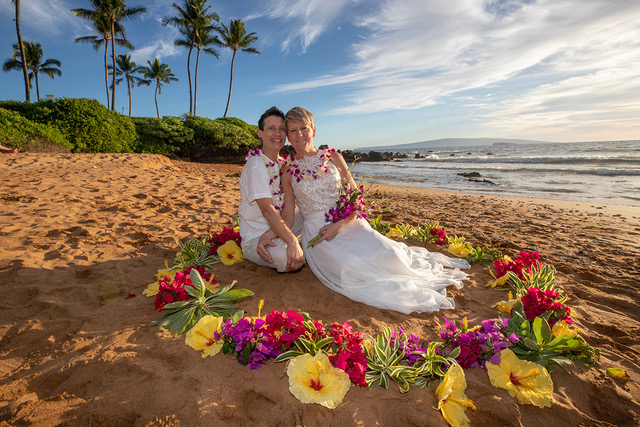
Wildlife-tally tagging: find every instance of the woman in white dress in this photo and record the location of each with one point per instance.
(352, 258)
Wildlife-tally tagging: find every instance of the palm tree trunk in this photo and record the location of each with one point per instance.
(22, 55)
(195, 84)
(106, 73)
(156, 97)
(37, 85)
(189, 73)
(230, 84)
(129, 92)
(113, 63)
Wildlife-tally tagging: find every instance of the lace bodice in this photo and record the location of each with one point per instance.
(317, 194)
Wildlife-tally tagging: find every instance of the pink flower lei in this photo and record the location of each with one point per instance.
(274, 177)
(298, 173)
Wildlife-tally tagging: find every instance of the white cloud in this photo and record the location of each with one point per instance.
(555, 61)
(45, 17)
(304, 20)
(160, 49)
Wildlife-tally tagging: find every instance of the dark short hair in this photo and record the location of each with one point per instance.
(273, 111)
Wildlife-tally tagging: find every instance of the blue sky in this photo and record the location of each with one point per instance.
(378, 72)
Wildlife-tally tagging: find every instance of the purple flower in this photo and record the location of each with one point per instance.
(478, 344)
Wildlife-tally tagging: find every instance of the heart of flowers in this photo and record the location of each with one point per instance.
(508, 348)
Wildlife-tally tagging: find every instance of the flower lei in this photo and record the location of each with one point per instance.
(298, 173)
(274, 177)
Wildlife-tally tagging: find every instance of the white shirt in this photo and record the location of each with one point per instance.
(254, 185)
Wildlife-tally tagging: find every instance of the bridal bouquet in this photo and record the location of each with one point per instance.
(350, 201)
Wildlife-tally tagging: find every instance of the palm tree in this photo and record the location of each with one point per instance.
(27, 85)
(202, 42)
(193, 20)
(113, 11)
(235, 37)
(128, 69)
(103, 28)
(161, 73)
(33, 54)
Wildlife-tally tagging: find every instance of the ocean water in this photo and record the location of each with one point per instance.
(605, 173)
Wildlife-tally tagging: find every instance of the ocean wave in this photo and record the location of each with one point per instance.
(630, 160)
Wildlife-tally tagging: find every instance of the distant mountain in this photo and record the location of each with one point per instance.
(451, 142)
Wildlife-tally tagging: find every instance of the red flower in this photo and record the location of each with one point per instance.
(283, 328)
(439, 236)
(348, 354)
(523, 262)
(173, 290)
(537, 302)
(218, 239)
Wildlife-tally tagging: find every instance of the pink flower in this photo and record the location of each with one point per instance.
(172, 290)
(523, 262)
(537, 302)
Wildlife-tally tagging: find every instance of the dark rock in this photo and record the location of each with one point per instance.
(486, 181)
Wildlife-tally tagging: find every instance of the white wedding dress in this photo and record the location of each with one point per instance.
(362, 264)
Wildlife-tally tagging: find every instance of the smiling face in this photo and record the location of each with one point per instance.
(300, 136)
(273, 136)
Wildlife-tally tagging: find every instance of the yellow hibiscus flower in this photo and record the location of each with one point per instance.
(505, 307)
(168, 271)
(394, 232)
(230, 253)
(527, 381)
(202, 336)
(563, 328)
(312, 379)
(152, 289)
(459, 249)
(497, 282)
(452, 401)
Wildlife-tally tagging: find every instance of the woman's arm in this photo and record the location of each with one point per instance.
(330, 231)
(289, 209)
(341, 165)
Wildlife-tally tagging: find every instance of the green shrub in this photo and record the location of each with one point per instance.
(165, 136)
(17, 131)
(88, 125)
(251, 129)
(229, 132)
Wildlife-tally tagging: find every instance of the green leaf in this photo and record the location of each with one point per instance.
(237, 294)
(541, 330)
(323, 342)
(175, 305)
(308, 346)
(288, 355)
(198, 283)
(455, 353)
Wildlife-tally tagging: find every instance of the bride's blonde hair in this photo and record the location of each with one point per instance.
(299, 114)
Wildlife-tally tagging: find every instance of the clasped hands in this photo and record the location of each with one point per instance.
(295, 255)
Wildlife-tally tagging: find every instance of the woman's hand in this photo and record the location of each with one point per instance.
(330, 231)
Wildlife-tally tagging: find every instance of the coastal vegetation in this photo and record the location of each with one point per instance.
(85, 125)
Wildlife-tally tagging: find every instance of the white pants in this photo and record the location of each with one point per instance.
(278, 253)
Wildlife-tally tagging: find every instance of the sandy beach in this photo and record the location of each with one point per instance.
(82, 233)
